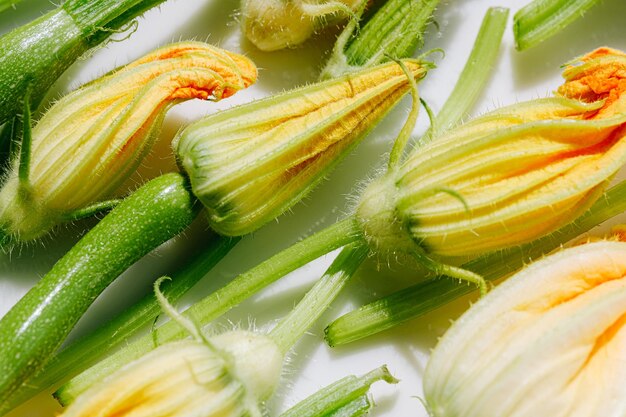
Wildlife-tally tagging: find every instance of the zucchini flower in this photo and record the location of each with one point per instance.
(251, 163)
(276, 24)
(91, 140)
(230, 376)
(510, 176)
(550, 341)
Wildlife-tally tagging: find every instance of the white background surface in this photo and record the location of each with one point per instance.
(518, 76)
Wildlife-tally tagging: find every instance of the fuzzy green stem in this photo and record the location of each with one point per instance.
(35, 55)
(342, 398)
(542, 19)
(85, 352)
(219, 302)
(37, 325)
(399, 145)
(431, 294)
(477, 70)
(92, 210)
(292, 327)
(357, 408)
(450, 271)
(396, 30)
(98, 19)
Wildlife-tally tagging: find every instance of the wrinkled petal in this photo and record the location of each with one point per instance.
(251, 163)
(507, 177)
(550, 341)
(91, 140)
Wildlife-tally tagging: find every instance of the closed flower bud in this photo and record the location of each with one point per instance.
(510, 176)
(550, 341)
(276, 24)
(251, 163)
(91, 140)
(231, 377)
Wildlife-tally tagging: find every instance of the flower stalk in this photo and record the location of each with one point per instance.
(344, 398)
(262, 381)
(395, 30)
(219, 302)
(293, 326)
(415, 301)
(542, 19)
(476, 72)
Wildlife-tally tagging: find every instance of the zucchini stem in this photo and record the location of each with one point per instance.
(346, 397)
(476, 72)
(395, 30)
(292, 327)
(415, 301)
(541, 19)
(333, 237)
(85, 352)
(37, 325)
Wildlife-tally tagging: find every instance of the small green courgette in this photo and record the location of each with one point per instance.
(35, 327)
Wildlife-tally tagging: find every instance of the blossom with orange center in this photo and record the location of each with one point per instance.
(550, 341)
(510, 176)
(91, 140)
(251, 163)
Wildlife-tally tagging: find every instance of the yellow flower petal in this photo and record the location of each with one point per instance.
(91, 140)
(230, 377)
(250, 163)
(508, 177)
(551, 341)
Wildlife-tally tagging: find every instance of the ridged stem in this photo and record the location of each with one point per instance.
(541, 19)
(476, 71)
(292, 327)
(431, 294)
(85, 352)
(36, 326)
(344, 398)
(219, 302)
(395, 30)
(100, 18)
